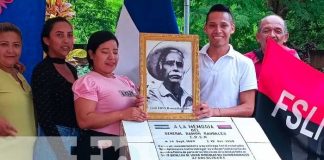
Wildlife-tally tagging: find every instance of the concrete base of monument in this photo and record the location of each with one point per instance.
(211, 138)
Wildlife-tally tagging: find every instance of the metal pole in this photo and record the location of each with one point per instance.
(186, 16)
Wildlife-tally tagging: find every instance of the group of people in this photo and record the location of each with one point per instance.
(63, 105)
(95, 104)
(228, 80)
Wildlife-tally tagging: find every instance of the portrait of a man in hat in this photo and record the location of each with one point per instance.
(166, 64)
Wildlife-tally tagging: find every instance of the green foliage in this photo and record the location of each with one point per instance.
(305, 19)
(246, 16)
(306, 23)
(94, 15)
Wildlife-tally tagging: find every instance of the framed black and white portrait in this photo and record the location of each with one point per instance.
(169, 75)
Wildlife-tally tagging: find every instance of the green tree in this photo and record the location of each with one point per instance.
(94, 15)
(246, 16)
(305, 20)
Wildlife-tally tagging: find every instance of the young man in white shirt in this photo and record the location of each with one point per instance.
(227, 78)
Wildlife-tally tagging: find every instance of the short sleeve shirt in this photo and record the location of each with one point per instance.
(222, 81)
(111, 94)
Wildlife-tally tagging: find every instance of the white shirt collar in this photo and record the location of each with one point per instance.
(230, 52)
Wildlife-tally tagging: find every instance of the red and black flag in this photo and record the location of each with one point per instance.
(290, 105)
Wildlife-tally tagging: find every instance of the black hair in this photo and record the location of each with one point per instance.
(9, 27)
(219, 8)
(95, 40)
(48, 26)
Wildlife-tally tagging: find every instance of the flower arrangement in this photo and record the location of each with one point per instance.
(60, 8)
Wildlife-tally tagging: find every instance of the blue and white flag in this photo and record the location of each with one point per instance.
(29, 16)
(149, 16)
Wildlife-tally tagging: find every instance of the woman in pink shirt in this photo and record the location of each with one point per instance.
(102, 99)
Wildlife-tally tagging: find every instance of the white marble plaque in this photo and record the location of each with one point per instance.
(185, 140)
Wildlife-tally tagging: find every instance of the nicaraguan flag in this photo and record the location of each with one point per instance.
(149, 16)
(290, 106)
(161, 126)
(29, 16)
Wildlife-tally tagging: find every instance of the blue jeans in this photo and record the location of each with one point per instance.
(44, 144)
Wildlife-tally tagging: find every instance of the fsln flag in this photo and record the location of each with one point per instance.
(29, 16)
(149, 16)
(290, 106)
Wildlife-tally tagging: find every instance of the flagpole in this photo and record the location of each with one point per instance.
(186, 16)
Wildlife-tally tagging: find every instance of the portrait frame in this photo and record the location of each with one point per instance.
(148, 42)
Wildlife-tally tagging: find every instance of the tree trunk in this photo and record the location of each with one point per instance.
(278, 7)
